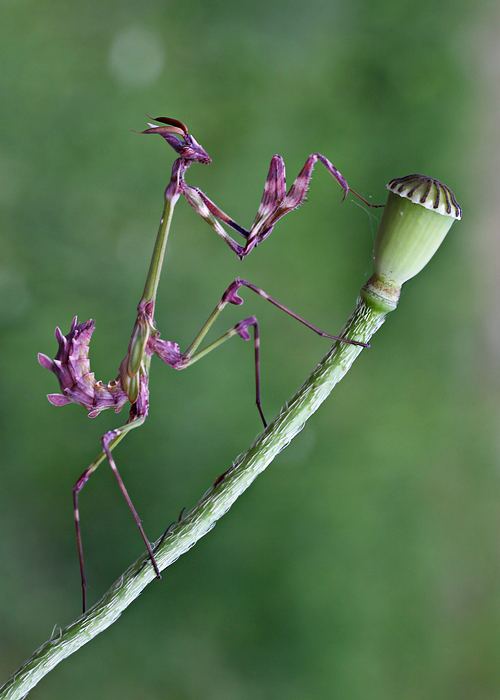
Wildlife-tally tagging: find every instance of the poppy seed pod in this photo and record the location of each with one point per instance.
(417, 216)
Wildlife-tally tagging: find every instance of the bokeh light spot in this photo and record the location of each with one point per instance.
(136, 57)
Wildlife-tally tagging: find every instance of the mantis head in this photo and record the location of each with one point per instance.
(177, 135)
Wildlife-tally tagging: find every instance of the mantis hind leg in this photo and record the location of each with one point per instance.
(77, 488)
(110, 440)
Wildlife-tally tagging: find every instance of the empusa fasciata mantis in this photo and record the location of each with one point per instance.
(71, 364)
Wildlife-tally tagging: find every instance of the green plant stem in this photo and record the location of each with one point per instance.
(367, 318)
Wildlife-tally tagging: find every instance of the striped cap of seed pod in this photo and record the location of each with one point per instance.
(427, 191)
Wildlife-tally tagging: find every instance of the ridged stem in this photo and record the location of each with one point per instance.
(367, 318)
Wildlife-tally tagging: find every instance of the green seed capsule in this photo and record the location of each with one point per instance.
(419, 213)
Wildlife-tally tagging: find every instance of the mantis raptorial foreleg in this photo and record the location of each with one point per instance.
(276, 202)
(198, 200)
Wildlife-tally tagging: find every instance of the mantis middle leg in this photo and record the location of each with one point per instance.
(170, 354)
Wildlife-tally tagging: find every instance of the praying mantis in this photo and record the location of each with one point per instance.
(71, 364)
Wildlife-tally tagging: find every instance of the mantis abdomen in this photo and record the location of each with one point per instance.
(71, 366)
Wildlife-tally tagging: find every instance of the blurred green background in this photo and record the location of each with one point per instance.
(365, 562)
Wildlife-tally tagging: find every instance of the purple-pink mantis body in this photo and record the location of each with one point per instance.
(71, 364)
